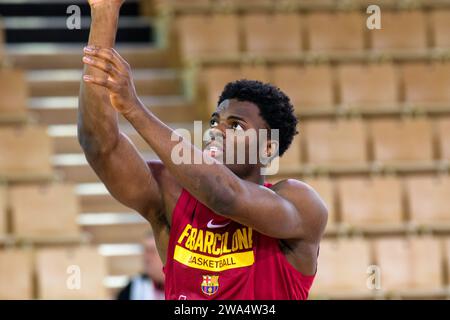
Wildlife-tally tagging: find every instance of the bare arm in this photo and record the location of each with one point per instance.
(292, 210)
(109, 152)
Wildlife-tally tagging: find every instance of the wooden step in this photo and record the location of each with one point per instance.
(65, 140)
(69, 161)
(50, 8)
(54, 30)
(114, 227)
(49, 56)
(63, 110)
(128, 265)
(61, 83)
(95, 198)
(75, 168)
(123, 259)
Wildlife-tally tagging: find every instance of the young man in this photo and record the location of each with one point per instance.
(221, 231)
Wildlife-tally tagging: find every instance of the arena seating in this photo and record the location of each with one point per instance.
(370, 202)
(55, 266)
(310, 88)
(3, 211)
(49, 211)
(403, 31)
(410, 264)
(26, 152)
(14, 93)
(426, 85)
(45, 202)
(373, 141)
(441, 26)
(2, 43)
(346, 36)
(360, 87)
(197, 41)
(408, 141)
(341, 270)
(291, 158)
(325, 187)
(272, 34)
(443, 127)
(16, 274)
(334, 143)
(428, 200)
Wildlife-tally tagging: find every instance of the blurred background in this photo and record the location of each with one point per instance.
(374, 110)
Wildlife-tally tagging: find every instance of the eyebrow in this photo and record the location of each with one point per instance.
(232, 117)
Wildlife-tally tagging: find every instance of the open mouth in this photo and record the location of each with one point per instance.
(214, 149)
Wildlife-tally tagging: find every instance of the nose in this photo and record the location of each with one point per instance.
(218, 131)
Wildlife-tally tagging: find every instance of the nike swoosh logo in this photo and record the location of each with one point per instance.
(214, 226)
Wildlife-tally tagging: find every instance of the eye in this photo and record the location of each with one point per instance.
(213, 123)
(236, 126)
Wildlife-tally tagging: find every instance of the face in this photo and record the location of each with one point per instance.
(152, 262)
(234, 131)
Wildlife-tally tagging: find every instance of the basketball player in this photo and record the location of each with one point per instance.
(222, 232)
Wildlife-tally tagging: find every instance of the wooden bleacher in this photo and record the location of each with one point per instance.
(14, 93)
(70, 273)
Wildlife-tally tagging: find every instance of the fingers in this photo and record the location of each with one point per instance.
(100, 81)
(109, 61)
(101, 64)
(108, 54)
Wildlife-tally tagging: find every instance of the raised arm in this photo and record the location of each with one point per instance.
(109, 152)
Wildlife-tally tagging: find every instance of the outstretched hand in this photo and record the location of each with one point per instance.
(117, 78)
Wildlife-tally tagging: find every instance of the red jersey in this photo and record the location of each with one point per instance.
(212, 257)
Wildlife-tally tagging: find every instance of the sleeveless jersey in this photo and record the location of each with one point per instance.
(212, 257)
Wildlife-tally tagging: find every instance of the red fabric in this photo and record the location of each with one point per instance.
(262, 274)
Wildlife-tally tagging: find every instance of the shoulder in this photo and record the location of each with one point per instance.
(308, 202)
(295, 189)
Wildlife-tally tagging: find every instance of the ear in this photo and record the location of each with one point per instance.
(272, 148)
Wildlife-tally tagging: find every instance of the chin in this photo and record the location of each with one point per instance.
(239, 169)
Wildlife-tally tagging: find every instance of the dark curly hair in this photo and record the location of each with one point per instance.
(274, 107)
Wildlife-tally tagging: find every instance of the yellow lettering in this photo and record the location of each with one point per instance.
(224, 243)
(242, 238)
(209, 240)
(226, 262)
(191, 240)
(185, 233)
(199, 242)
(217, 237)
(235, 245)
